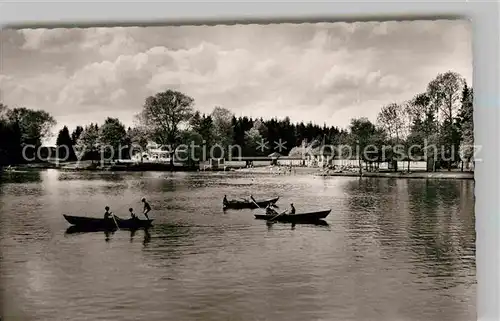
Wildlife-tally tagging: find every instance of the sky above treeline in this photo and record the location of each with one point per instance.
(324, 72)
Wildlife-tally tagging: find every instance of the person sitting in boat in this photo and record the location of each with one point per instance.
(270, 210)
(132, 215)
(147, 208)
(107, 214)
(292, 209)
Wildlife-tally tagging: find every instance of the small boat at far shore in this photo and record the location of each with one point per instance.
(100, 224)
(310, 217)
(243, 204)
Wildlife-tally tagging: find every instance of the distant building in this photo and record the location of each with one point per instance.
(154, 153)
(321, 156)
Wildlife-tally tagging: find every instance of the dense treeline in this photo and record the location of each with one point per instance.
(435, 126)
(22, 131)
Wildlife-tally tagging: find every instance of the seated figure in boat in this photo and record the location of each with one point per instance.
(270, 210)
(292, 209)
(107, 213)
(132, 215)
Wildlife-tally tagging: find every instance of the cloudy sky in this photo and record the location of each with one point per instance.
(325, 73)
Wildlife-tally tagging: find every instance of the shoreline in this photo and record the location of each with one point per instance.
(316, 172)
(421, 175)
(264, 170)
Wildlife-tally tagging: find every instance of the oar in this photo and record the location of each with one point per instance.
(276, 216)
(113, 215)
(251, 197)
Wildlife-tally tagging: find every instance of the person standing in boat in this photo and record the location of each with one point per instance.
(147, 208)
(292, 209)
(224, 201)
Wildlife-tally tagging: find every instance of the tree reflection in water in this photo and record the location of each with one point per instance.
(426, 220)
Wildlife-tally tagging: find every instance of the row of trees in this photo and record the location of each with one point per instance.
(169, 119)
(435, 126)
(440, 116)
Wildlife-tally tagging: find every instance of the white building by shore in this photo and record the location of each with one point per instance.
(154, 153)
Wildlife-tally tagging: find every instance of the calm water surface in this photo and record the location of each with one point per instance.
(394, 249)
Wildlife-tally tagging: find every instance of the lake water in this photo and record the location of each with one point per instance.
(394, 249)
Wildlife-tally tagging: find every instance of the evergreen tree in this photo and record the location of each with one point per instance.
(65, 147)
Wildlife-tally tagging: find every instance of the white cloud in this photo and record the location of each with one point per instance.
(321, 73)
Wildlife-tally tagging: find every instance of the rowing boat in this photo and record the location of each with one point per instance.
(91, 223)
(236, 204)
(310, 217)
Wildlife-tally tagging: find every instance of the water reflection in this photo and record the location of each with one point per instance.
(293, 225)
(444, 247)
(108, 233)
(388, 249)
(20, 177)
(421, 219)
(146, 238)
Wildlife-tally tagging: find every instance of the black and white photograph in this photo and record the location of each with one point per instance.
(315, 171)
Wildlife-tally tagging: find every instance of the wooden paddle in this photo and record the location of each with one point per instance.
(251, 197)
(276, 216)
(113, 215)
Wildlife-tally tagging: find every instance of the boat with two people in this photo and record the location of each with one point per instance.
(91, 224)
(110, 221)
(291, 217)
(250, 203)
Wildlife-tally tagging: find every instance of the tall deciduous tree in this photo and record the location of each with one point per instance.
(424, 128)
(191, 153)
(139, 140)
(252, 140)
(445, 93)
(362, 131)
(113, 139)
(394, 119)
(222, 129)
(88, 143)
(35, 125)
(163, 114)
(24, 127)
(391, 118)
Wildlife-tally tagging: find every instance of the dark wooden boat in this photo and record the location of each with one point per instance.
(101, 224)
(311, 217)
(237, 204)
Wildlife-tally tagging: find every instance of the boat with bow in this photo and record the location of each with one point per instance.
(249, 203)
(100, 224)
(309, 217)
